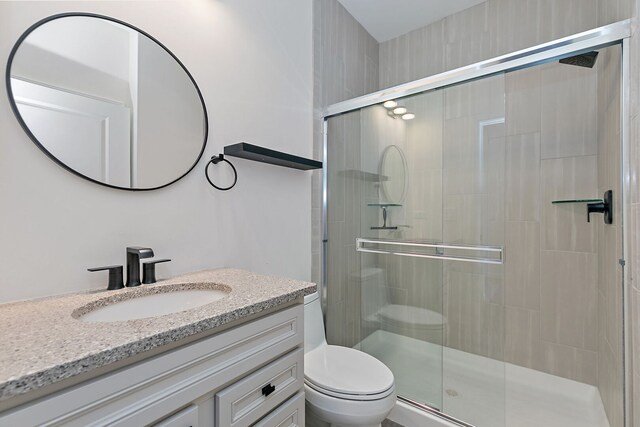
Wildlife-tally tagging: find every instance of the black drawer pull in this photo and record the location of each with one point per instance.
(268, 389)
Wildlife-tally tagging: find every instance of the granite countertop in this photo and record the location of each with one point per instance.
(43, 342)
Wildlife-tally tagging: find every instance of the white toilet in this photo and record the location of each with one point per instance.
(343, 386)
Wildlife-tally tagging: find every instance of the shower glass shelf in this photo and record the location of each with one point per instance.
(380, 205)
(555, 202)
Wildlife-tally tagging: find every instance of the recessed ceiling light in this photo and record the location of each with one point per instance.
(390, 104)
(408, 116)
(399, 111)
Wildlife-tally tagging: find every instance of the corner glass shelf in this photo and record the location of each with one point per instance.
(365, 176)
(555, 202)
(385, 205)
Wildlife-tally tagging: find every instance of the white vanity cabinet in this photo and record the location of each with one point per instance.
(251, 374)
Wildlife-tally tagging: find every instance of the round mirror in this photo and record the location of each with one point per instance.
(393, 168)
(107, 101)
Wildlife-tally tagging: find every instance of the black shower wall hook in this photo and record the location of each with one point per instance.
(215, 160)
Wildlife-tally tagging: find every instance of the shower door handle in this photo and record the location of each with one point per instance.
(417, 249)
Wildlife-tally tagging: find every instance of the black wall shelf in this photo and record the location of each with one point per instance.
(265, 155)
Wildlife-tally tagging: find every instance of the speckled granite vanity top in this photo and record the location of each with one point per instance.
(43, 342)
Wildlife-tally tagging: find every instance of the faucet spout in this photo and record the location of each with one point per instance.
(134, 254)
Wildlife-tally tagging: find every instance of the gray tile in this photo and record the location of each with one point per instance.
(569, 111)
(470, 36)
(522, 336)
(565, 226)
(568, 362)
(523, 177)
(523, 101)
(522, 266)
(568, 299)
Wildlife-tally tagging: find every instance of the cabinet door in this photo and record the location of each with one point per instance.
(188, 417)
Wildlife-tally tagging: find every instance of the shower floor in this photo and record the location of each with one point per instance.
(475, 389)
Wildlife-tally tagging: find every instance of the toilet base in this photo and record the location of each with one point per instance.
(347, 413)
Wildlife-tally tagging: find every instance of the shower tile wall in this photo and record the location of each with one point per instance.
(610, 345)
(489, 29)
(345, 66)
(408, 281)
(550, 285)
(473, 210)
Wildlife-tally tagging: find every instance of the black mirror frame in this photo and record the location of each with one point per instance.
(16, 112)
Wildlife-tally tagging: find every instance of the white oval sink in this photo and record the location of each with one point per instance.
(153, 305)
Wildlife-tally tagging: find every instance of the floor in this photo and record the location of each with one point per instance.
(389, 423)
(482, 391)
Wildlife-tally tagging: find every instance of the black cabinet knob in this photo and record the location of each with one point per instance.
(115, 276)
(149, 270)
(268, 389)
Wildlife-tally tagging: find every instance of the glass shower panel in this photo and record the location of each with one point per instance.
(402, 296)
(473, 192)
(416, 224)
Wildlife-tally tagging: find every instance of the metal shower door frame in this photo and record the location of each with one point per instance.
(618, 33)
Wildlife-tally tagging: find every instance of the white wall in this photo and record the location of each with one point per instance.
(252, 61)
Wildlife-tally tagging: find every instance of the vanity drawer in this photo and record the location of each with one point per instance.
(249, 399)
(289, 414)
(188, 417)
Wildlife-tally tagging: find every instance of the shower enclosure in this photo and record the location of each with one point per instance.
(458, 248)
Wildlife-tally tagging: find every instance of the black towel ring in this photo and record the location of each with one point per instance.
(215, 160)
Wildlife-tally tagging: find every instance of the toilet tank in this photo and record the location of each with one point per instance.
(313, 323)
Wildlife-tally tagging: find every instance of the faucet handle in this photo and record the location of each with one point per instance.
(149, 270)
(141, 251)
(115, 276)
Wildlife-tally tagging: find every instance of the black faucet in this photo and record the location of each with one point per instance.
(134, 253)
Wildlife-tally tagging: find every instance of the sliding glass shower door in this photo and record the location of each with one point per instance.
(403, 296)
(415, 227)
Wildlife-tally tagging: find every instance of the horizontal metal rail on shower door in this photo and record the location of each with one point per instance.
(405, 247)
(557, 49)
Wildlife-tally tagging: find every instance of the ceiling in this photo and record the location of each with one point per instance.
(388, 19)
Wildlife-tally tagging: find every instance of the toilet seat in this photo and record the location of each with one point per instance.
(346, 373)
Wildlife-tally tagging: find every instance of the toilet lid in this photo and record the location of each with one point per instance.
(413, 316)
(346, 371)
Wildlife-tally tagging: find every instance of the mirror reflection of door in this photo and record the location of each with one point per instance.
(108, 102)
(91, 134)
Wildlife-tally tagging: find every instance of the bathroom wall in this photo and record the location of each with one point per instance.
(345, 66)
(253, 63)
(551, 270)
(610, 274)
(490, 29)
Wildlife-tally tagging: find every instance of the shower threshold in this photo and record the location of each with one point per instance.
(483, 391)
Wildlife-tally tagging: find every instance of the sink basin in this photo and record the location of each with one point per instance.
(151, 305)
